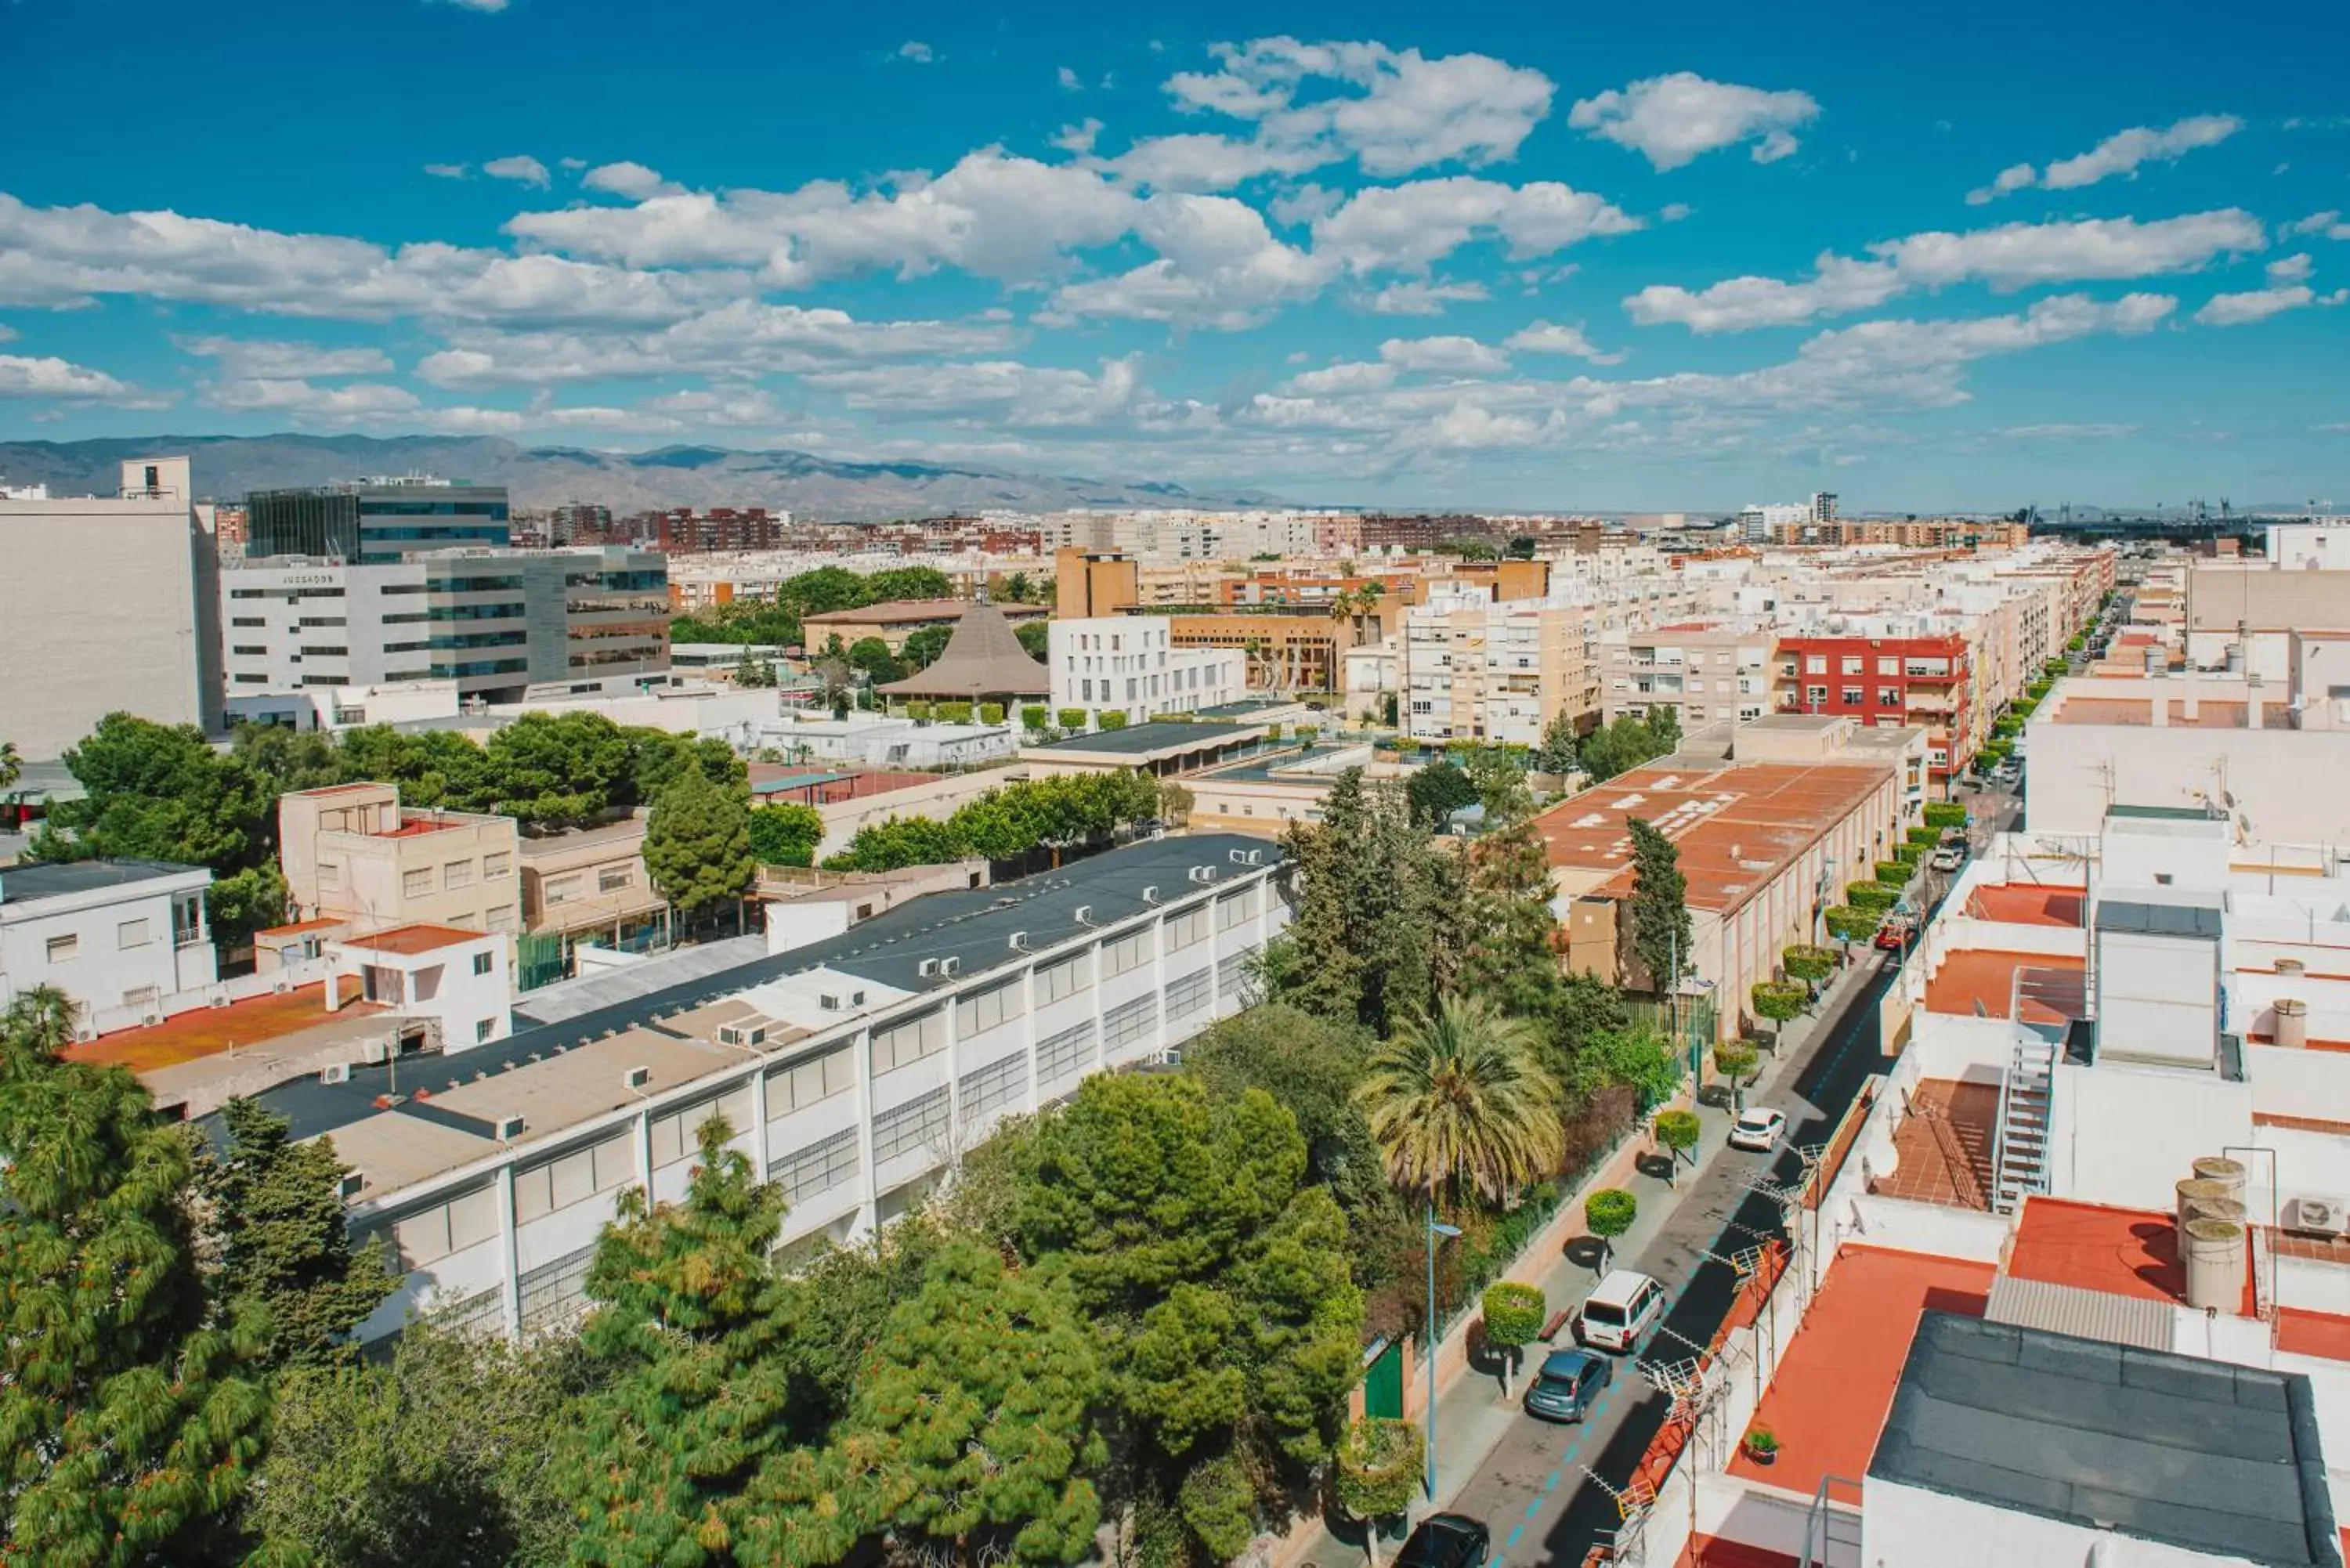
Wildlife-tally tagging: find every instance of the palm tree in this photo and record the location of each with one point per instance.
(12, 767)
(38, 1021)
(1462, 1100)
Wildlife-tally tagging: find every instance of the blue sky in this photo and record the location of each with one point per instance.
(1543, 257)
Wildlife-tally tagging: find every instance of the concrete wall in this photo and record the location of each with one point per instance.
(1920, 1529)
(123, 964)
(2126, 1136)
(2285, 782)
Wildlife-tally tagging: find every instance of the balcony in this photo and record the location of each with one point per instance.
(1938, 703)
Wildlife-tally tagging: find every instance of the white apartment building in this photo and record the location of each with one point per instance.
(497, 623)
(1126, 664)
(142, 555)
(1475, 669)
(124, 938)
(853, 1071)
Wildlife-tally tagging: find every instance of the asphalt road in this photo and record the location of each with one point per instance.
(1532, 1492)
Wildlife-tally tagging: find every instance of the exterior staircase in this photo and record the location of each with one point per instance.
(2025, 1094)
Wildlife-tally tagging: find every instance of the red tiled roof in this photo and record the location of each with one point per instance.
(409, 940)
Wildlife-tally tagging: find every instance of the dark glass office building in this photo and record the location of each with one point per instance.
(372, 521)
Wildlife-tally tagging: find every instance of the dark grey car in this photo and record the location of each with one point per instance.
(1569, 1384)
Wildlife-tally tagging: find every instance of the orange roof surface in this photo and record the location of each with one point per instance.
(2122, 1251)
(1944, 1146)
(1715, 1552)
(409, 940)
(1737, 827)
(1834, 1384)
(299, 927)
(1983, 982)
(2309, 1333)
(2210, 712)
(2028, 904)
(416, 827)
(209, 1030)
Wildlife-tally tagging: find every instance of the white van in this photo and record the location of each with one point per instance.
(1620, 1310)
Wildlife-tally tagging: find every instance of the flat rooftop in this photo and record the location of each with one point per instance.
(2046, 989)
(1737, 825)
(25, 883)
(2130, 1252)
(2028, 904)
(1294, 766)
(1944, 1146)
(2202, 1454)
(1159, 738)
(407, 941)
(210, 1031)
(1828, 1399)
(891, 611)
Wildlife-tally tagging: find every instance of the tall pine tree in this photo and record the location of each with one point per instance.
(129, 1422)
(1661, 917)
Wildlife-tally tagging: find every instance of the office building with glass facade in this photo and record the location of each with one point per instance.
(374, 521)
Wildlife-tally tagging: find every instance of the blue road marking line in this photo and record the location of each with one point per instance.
(1515, 1531)
(1550, 1483)
(1533, 1508)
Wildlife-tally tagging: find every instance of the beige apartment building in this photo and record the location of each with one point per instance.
(1705, 671)
(1477, 670)
(354, 855)
(590, 887)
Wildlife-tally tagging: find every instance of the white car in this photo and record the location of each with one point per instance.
(1759, 1129)
(1620, 1310)
(1950, 857)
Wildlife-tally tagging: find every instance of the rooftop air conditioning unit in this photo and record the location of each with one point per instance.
(350, 1186)
(509, 1128)
(950, 965)
(1085, 916)
(1256, 857)
(335, 1073)
(217, 998)
(927, 967)
(2321, 1213)
(1151, 895)
(636, 1077)
(1019, 941)
(1241, 857)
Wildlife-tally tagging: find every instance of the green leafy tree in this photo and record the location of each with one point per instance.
(289, 759)
(1512, 1315)
(12, 765)
(1779, 1001)
(132, 1416)
(1660, 930)
(921, 648)
(1381, 914)
(1071, 718)
(1736, 1060)
(1678, 1131)
(1378, 1472)
(549, 771)
(1500, 780)
(1035, 716)
(684, 1455)
(1807, 963)
(1458, 1101)
(1850, 923)
(1219, 1502)
(1664, 726)
(1510, 953)
(786, 834)
(283, 1240)
(1633, 1057)
(1113, 719)
(976, 1411)
(439, 1459)
(1018, 588)
(870, 656)
(697, 844)
(1438, 790)
(1219, 1286)
(894, 583)
(1036, 638)
(1608, 1214)
(1560, 747)
(159, 792)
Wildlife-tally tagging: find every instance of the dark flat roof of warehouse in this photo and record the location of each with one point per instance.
(1144, 740)
(2200, 1454)
(22, 884)
(972, 924)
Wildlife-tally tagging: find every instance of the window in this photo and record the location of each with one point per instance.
(560, 890)
(573, 1178)
(429, 1235)
(1055, 981)
(1070, 1051)
(1888, 666)
(484, 1030)
(1232, 981)
(482, 962)
(187, 920)
(993, 1087)
(457, 874)
(248, 649)
(909, 1042)
(1130, 1022)
(1234, 907)
(1191, 993)
(679, 1134)
(797, 1087)
(1852, 664)
(243, 620)
(818, 1167)
(497, 865)
(986, 1010)
(1818, 696)
(417, 884)
(130, 934)
(1888, 697)
(1191, 925)
(63, 947)
(499, 917)
(909, 1127)
(1129, 951)
(1853, 697)
(1815, 664)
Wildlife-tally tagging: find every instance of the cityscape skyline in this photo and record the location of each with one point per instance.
(1357, 259)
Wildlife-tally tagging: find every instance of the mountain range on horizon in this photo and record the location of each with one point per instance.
(818, 488)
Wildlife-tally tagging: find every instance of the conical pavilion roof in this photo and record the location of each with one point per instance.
(982, 659)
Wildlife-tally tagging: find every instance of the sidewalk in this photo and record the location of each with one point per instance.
(1472, 1417)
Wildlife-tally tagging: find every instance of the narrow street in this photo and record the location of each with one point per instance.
(1531, 1489)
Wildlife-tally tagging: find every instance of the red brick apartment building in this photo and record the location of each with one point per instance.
(685, 532)
(1921, 681)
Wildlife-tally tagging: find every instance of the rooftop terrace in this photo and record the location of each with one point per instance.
(2128, 1253)
(2046, 989)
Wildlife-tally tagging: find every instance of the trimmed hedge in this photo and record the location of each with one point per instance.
(1925, 836)
(1873, 898)
(1779, 1000)
(991, 712)
(1941, 814)
(1114, 719)
(1851, 925)
(1910, 854)
(1895, 873)
(1035, 716)
(918, 712)
(1805, 961)
(953, 712)
(1073, 718)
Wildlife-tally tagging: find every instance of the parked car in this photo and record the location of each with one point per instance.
(1896, 932)
(1950, 857)
(1620, 1310)
(1569, 1384)
(1758, 1129)
(1446, 1541)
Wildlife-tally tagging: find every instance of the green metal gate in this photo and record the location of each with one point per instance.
(538, 959)
(1383, 1382)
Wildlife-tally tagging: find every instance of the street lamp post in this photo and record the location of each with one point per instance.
(1434, 1232)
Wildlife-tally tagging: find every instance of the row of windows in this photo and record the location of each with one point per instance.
(1069, 1050)
(1056, 981)
(678, 1135)
(989, 1009)
(907, 1042)
(1234, 907)
(573, 1178)
(504, 609)
(457, 586)
(453, 640)
(917, 1123)
(1187, 926)
(818, 1167)
(1130, 1022)
(1191, 993)
(811, 1082)
(289, 594)
(991, 1087)
(1127, 952)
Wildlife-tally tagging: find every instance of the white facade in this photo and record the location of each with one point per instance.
(458, 979)
(126, 940)
(141, 556)
(349, 707)
(854, 1093)
(1126, 664)
(874, 741)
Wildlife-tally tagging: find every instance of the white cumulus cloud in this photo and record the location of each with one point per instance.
(1673, 119)
(2121, 154)
(1445, 356)
(634, 181)
(64, 381)
(1547, 338)
(521, 168)
(268, 359)
(2260, 304)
